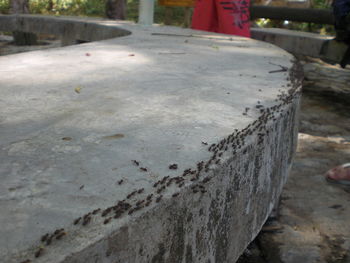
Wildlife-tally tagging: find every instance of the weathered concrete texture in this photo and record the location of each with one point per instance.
(223, 109)
(302, 43)
(7, 46)
(71, 30)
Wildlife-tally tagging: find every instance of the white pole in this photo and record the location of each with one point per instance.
(146, 12)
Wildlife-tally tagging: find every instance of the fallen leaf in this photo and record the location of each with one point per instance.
(78, 89)
(115, 136)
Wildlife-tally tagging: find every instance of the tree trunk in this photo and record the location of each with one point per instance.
(22, 38)
(116, 9)
(19, 6)
(327, 79)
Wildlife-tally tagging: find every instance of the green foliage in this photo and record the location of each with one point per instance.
(68, 7)
(306, 27)
(320, 4)
(96, 8)
(4, 6)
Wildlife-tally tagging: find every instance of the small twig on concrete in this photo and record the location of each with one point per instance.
(171, 53)
(283, 68)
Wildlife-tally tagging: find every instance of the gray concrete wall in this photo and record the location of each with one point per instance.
(73, 119)
(70, 30)
(302, 43)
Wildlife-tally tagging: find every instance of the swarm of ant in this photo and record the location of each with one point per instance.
(233, 143)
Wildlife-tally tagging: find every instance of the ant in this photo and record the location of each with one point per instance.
(48, 241)
(44, 237)
(39, 252)
(107, 220)
(131, 194)
(140, 202)
(86, 220)
(60, 235)
(173, 166)
(96, 211)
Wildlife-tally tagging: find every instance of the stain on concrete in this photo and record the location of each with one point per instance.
(188, 256)
(115, 243)
(222, 236)
(159, 257)
(178, 240)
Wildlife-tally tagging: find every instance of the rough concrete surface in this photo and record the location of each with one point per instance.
(302, 43)
(182, 138)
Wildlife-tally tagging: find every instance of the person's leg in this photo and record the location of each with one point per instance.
(341, 12)
(339, 174)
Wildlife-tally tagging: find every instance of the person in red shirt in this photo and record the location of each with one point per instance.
(220, 16)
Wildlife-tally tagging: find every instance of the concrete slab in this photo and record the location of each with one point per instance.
(183, 139)
(302, 43)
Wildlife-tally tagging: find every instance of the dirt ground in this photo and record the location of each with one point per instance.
(313, 221)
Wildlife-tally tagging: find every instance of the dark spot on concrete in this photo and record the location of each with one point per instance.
(159, 257)
(335, 206)
(141, 251)
(201, 241)
(189, 217)
(229, 196)
(222, 234)
(188, 256)
(201, 212)
(116, 243)
(178, 240)
(257, 168)
(214, 216)
(236, 182)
